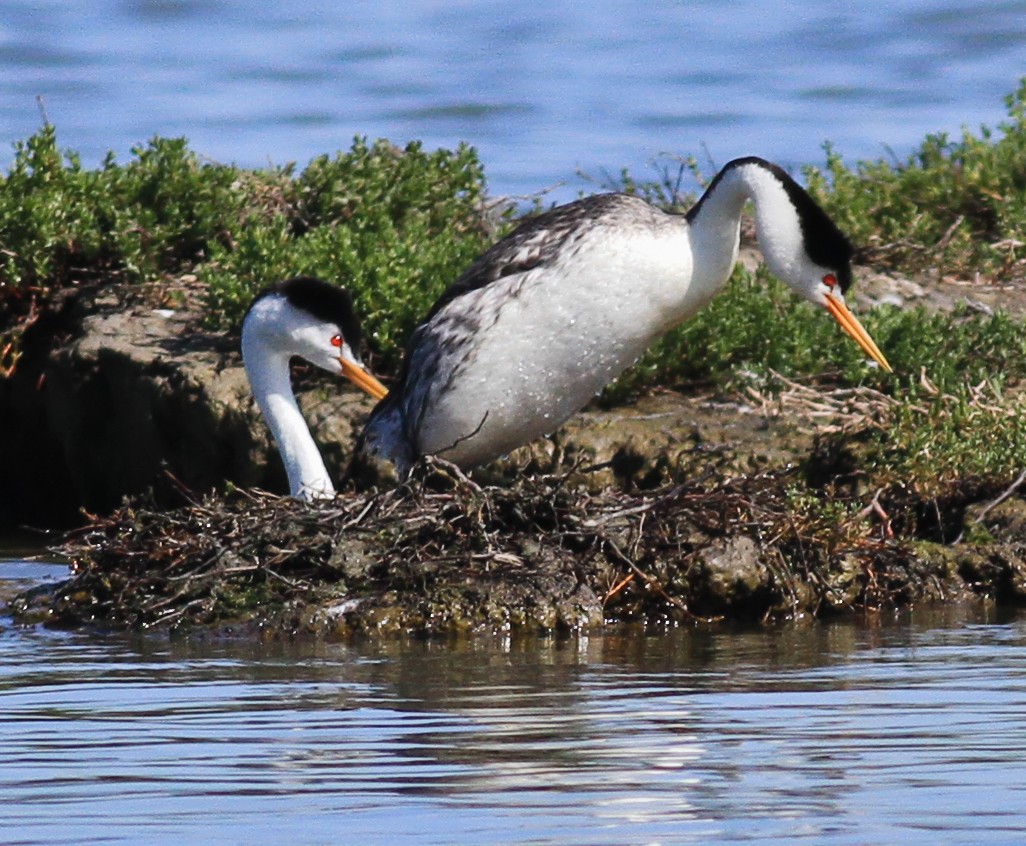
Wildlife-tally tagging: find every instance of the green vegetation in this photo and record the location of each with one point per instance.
(63, 225)
(973, 434)
(397, 225)
(394, 225)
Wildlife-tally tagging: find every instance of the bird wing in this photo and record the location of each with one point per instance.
(540, 239)
(441, 343)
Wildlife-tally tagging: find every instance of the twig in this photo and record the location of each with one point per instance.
(637, 509)
(434, 461)
(875, 507)
(1011, 489)
(615, 589)
(650, 581)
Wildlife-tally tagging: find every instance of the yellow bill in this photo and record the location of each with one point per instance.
(362, 379)
(850, 324)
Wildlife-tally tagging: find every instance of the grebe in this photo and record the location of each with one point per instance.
(549, 315)
(312, 319)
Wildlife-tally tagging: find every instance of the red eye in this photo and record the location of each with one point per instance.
(830, 280)
(336, 341)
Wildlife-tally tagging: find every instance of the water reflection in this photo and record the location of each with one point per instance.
(836, 733)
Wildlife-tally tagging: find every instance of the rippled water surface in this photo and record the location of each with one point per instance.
(907, 730)
(540, 88)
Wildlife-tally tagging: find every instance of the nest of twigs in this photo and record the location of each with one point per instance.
(442, 554)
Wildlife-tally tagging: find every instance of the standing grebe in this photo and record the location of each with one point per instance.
(548, 316)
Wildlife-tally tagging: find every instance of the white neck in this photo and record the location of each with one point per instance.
(268, 372)
(716, 223)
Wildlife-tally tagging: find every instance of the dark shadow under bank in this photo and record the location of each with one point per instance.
(442, 555)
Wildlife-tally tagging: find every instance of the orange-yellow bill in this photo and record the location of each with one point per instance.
(362, 379)
(850, 324)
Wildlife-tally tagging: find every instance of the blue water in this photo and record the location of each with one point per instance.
(905, 730)
(541, 89)
(899, 729)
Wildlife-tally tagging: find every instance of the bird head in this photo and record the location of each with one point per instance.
(314, 320)
(829, 293)
(824, 285)
(804, 247)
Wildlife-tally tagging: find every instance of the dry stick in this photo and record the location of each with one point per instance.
(355, 521)
(1012, 488)
(946, 237)
(453, 470)
(639, 533)
(875, 507)
(182, 488)
(649, 580)
(280, 577)
(249, 568)
(178, 612)
(637, 509)
(170, 600)
(615, 589)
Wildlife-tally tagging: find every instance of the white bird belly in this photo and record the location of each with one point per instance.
(549, 340)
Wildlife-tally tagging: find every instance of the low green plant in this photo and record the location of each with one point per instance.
(395, 226)
(957, 205)
(934, 440)
(61, 224)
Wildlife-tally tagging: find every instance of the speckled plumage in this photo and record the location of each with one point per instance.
(516, 316)
(550, 314)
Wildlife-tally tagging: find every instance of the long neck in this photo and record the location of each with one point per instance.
(268, 372)
(715, 221)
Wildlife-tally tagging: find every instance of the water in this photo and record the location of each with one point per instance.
(542, 89)
(905, 730)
